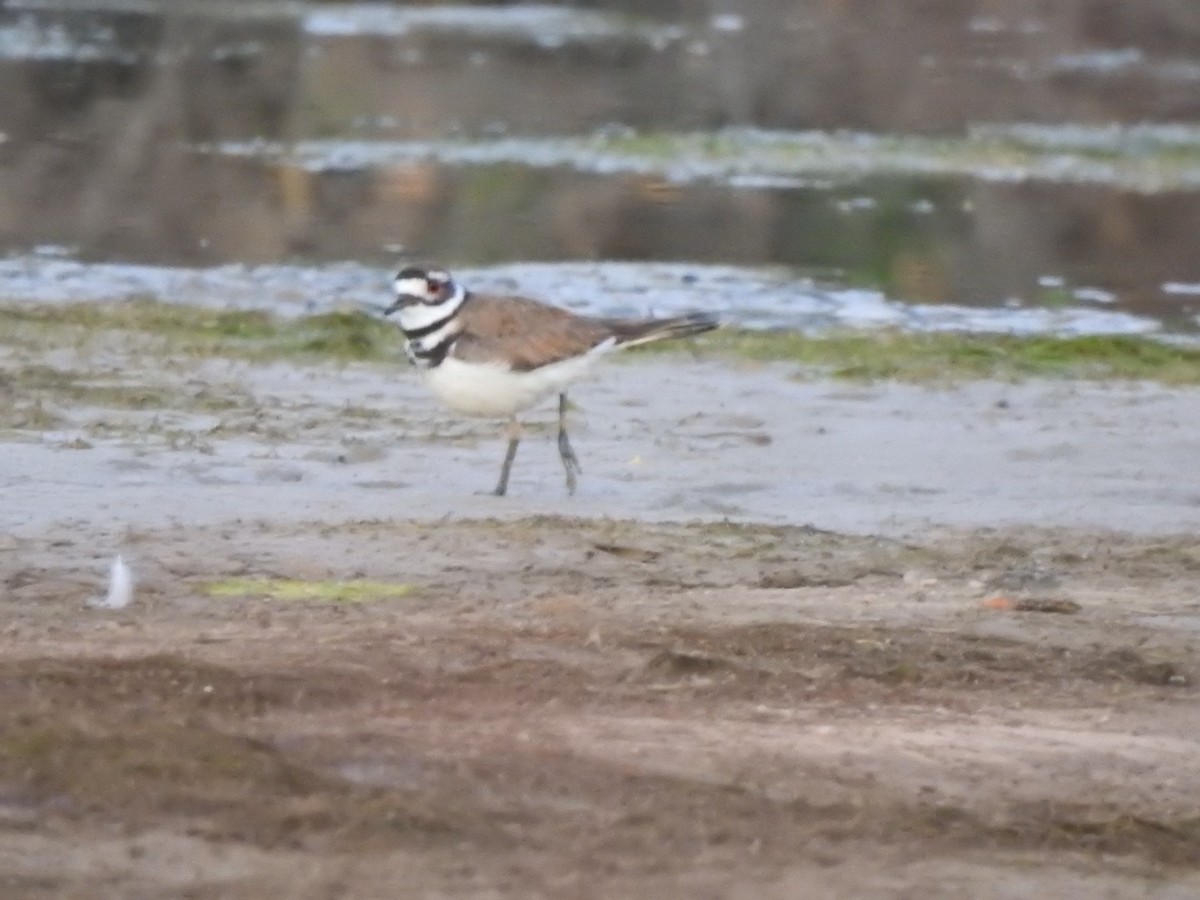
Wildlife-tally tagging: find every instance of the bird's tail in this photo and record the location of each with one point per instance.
(631, 332)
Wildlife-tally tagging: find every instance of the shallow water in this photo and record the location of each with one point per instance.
(709, 443)
(454, 133)
(746, 297)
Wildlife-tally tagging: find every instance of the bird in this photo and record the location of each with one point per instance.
(497, 355)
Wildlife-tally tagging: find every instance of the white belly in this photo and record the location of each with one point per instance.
(487, 389)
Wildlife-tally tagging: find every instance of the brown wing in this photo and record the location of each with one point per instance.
(523, 332)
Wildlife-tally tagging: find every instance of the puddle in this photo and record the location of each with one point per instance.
(923, 168)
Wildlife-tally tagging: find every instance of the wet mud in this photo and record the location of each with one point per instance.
(344, 673)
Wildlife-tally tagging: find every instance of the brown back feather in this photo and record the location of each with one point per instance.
(524, 332)
(528, 334)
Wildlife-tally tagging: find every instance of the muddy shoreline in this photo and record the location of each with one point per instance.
(888, 590)
(879, 638)
(99, 439)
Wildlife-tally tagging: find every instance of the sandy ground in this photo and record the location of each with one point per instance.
(791, 639)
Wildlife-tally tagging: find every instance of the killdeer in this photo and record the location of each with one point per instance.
(492, 355)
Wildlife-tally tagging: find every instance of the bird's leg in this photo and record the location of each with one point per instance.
(569, 460)
(513, 430)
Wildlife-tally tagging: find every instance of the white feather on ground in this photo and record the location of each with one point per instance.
(120, 587)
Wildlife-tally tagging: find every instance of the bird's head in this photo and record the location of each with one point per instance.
(418, 286)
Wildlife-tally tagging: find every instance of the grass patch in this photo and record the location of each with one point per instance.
(84, 389)
(354, 336)
(354, 591)
(1141, 160)
(189, 330)
(34, 397)
(905, 356)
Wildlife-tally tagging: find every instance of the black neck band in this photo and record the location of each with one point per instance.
(414, 334)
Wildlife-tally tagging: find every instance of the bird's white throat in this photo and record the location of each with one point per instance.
(422, 315)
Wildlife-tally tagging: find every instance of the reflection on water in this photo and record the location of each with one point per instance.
(100, 102)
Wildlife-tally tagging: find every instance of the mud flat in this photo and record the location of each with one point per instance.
(794, 636)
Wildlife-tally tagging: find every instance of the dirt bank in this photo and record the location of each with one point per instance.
(792, 639)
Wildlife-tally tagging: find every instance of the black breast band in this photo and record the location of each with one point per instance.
(432, 357)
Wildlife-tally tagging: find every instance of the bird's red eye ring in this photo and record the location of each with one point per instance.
(433, 284)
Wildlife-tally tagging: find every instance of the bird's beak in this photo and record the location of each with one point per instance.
(398, 304)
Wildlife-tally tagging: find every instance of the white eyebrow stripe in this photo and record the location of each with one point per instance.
(422, 315)
(411, 287)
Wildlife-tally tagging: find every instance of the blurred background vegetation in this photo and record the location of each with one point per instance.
(113, 117)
